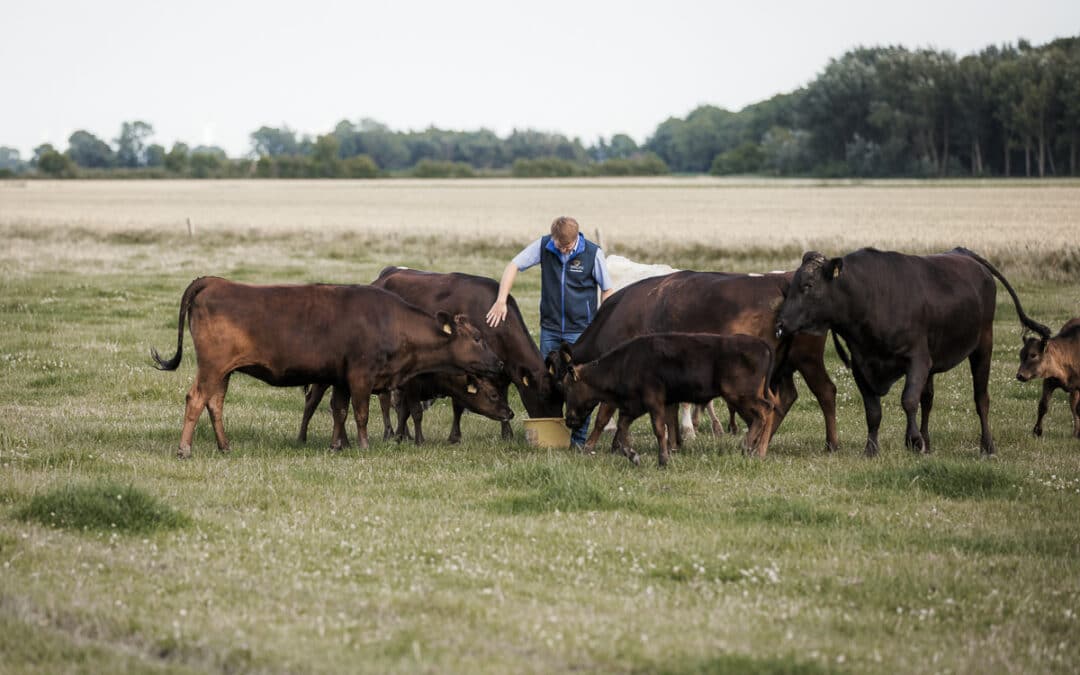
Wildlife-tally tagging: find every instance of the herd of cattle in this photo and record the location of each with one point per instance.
(677, 337)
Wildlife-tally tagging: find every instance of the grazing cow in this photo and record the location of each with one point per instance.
(715, 303)
(903, 316)
(472, 296)
(1056, 359)
(356, 337)
(624, 272)
(479, 395)
(652, 374)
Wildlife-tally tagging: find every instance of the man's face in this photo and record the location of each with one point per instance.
(567, 247)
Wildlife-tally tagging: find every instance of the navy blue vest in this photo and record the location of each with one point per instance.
(567, 292)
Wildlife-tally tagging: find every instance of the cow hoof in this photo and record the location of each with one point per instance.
(454, 440)
(183, 453)
(1037, 431)
(871, 449)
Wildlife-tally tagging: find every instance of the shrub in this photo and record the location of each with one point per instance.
(747, 158)
(431, 168)
(360, 166)
(545, 167)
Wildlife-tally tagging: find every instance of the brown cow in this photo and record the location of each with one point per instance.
(1057, 359)
(654, 373)
(357, 337)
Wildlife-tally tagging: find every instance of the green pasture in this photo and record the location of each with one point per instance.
(492, 556)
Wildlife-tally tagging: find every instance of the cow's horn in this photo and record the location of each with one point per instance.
(471, 388)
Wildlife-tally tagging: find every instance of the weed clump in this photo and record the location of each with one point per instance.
(949, 479)
(102, 506)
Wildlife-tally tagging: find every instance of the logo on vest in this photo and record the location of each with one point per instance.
(576, 266)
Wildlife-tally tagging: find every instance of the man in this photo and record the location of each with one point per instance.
(572, 270)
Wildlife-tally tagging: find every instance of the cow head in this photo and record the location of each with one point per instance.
(481, 395)
(466, 345)
(558, 362)
(580, 397)
(540, 392)
(1032, 362)
(809, 304)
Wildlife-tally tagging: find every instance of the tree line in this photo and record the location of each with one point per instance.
(874, 112)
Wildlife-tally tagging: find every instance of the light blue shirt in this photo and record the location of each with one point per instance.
(530, 257)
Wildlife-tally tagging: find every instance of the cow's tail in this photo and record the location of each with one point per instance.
(192, 290)
(1027, 321)
(840, 351)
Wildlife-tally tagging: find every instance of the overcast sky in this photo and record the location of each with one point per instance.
(211, 72)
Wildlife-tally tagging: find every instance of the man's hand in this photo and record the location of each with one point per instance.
(497, 313)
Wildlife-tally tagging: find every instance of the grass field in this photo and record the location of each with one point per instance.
(492, 556)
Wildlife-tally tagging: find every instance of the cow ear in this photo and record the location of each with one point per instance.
(446, 321)
(833, 268)
(566, 352)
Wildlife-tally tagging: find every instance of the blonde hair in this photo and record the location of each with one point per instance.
(564, 229)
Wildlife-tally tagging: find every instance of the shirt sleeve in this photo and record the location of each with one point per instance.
(600, 271)
(529, 256)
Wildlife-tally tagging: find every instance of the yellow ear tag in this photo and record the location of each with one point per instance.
(551, 369)
(525, 381)
(573, 372)
(447, 329)
(835, 272)
(471, 389)
(566, 357)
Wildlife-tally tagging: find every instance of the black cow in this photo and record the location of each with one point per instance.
(654, 373)
(357, 338)
(903, 316)
(715, 303)
(1056, 359)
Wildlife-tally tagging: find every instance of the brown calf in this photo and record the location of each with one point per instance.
(1057, 360)
(652, 374)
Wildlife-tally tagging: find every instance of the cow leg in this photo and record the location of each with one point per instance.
(658, 415)
(872, 408)
(760, 412)
(313, 396)
(733, 426)
(916, 381)
(1074, 404)
(361, 399)
(622, 439)
(506, 431)
(926, 403)
(455, 426)
(416, 409)
(788, 395)
(1049, 385)
(195, 402)
(717, 428)
(215, 406)
(339, 410)
(688, 420)
(980, 379)
(675, 437)
(603, 416)
(401, 431)
(823, 389)
(385, 404)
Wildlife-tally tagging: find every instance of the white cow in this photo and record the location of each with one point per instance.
(624, 272)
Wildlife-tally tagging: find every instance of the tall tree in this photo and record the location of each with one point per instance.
(131, 144)
(86, 149)
(274, 142)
